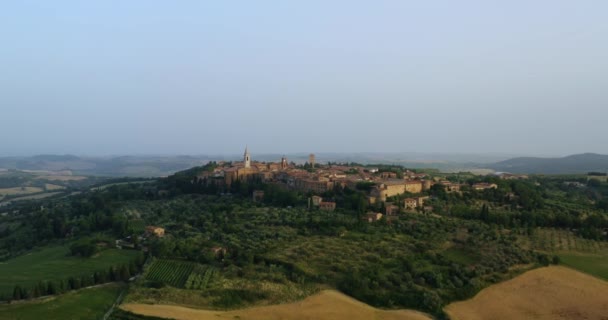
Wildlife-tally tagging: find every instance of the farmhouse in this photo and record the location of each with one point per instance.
(391, 209)
(316, 200)
(484, 185)
(258, 195)
(327, 206)
(373, 216)
(155, 231)
(410, 203)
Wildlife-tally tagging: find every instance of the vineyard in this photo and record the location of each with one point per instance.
(555, 240)
(200, 277)
(181, 274)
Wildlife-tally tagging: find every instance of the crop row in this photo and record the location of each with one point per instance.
(174, 273)
(200, 278)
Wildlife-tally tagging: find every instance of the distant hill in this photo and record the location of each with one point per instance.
(123, 166)
(156, 166)
(578, 163)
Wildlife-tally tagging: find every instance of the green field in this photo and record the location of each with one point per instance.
(55, 263)
(88, 304)
(596, 265)
(589, 256)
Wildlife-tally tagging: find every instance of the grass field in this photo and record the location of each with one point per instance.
(89, 304)
(35, 196)
(585, 255)
(19, 191)
(325, 305)
(61, 178)
(596, 265)
(55, 263)
(53, 187)
(551, 293)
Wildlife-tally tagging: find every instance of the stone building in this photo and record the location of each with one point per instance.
(316, 201)
(258, 195)
(327, 206)
(483, 186)
(410, 203)
(243, 171)
(414, 186)
(155, 231)
(372, 216)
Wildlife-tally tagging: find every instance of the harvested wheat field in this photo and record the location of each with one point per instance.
(62, 178)
(326, 305)
(545, 293)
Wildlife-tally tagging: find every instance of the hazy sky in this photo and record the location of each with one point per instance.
(195, 77)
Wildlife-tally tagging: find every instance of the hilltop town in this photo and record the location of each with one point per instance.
(385, 185)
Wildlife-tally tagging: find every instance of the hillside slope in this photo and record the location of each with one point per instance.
(545, 293)
(578, 163)
(327, 304)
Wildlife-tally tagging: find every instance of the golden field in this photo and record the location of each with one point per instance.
(325, 305)
(545, 293)
(19, 190)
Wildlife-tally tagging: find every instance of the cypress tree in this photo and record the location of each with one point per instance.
(42, 288)
(112, 274)
(35, 291)
(103, 276)
(62, 286)
(51, 288)
(124, 273)
(17, 293)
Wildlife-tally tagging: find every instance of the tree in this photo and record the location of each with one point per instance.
(135, 240)
(51, 288)
(124, 274)
(17, 293)
(485, 213)
(35, 292)
(112, 274)
(556, 260)
(132, 268)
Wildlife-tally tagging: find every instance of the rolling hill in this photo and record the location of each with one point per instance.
(578, 163)
(120, 166)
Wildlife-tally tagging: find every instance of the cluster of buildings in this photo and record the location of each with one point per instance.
(318, 179)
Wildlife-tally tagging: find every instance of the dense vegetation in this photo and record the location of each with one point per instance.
(224, 251)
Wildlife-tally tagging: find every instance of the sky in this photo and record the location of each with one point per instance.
(209, 77)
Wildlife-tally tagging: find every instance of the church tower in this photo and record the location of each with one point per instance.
(247, 158)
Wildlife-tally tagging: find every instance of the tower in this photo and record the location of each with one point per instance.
(311, 160)
(283, 163)
(247, 158)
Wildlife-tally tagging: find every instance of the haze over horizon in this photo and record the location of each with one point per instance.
(155, 77)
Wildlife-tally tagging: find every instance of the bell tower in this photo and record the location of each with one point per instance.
(247, 158)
